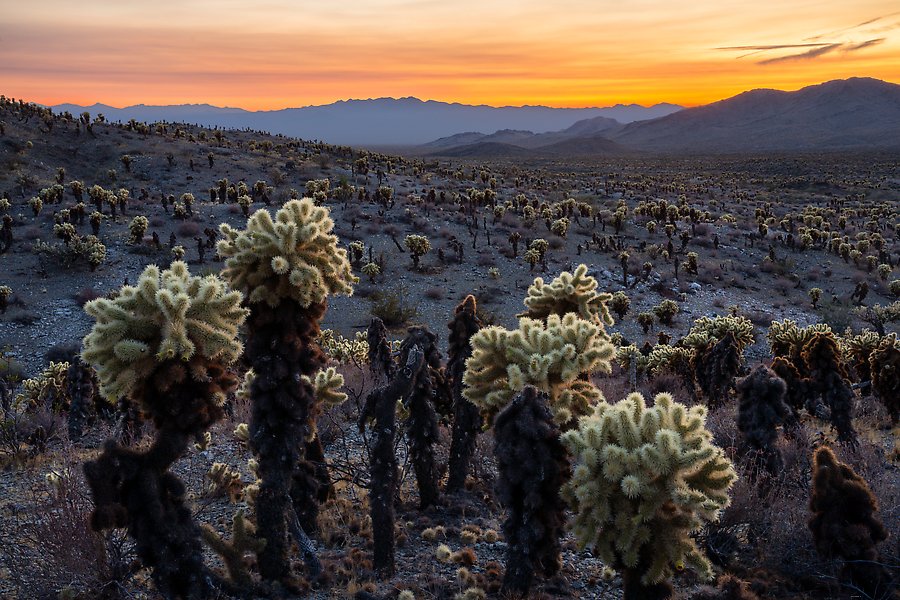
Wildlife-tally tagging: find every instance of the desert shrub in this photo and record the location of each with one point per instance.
(59, 555)
(393, 307)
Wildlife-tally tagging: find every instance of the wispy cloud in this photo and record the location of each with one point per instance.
(808, 55)
(758, 49)
(852, 27)
(866, 44)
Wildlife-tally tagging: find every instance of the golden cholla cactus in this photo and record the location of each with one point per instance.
(295, 256)
(551, 356)
(345, 350)
(856, 350)
(168, 315)
(645, 478)
(663, 356)
(569, 293)
(628, 355)
(326, 384)
(706, 330)
(49, 389)
(787, 339)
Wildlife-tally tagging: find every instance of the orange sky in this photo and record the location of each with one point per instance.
(270, 54)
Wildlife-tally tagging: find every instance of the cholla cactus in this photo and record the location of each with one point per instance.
(418, 246)
(138, 227)
(856, 350)
(294, 257)
(665, 311)
(884, 365)
(815, 294)
(706, 330)
(560, 227)
(828, 379)
(168, 316)
(287, 267)
(551, 355)
(619, 303)
(716, 364)
(357, 249)
(5, 293)
(787, 339)
(645, 478)
(371, 270)
(49, 389)
(37, 205)
(532, 465)
(224, 481)
(845, 522)
(466, 420)
(243, 541)
(761, 410)
(569, 293)
(165, 344)
(345, 350)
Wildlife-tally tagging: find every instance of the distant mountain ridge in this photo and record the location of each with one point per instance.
(844, 114)
(381, 121)
(849, 114)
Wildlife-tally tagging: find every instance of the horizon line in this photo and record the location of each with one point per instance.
(449, 103)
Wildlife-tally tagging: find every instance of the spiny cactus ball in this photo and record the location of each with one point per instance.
(569, 293)
(167, 315)
(550, 356)
(293, 257)
(645, 477)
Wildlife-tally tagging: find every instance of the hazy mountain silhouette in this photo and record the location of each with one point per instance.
(382, 121)
(851, 114)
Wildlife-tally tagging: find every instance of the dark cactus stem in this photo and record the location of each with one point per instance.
(715, 368)
(422, 423)
(885, 368)
(760, 411)
(466, 418)
(380, 360)
(828, 378)
(798, 392)
(130, 420)
(845, 524)
(533, 465)
(381, 405)
(281, 348)
(81, 388)
(136, 490)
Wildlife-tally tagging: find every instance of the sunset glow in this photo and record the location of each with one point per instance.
(281, 53)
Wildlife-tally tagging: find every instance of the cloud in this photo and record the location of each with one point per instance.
(808, 55)
(866, 44)
(851, 28)
(759, 49)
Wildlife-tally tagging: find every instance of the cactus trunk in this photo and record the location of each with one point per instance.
(281, 348)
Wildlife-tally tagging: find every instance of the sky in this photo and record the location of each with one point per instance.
(271, 54)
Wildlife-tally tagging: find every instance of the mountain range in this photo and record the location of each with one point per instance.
(377, 122)
(850, 114)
